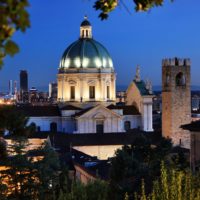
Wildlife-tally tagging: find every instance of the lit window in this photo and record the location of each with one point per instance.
(92, 92)
(108, 92)
(72, 92)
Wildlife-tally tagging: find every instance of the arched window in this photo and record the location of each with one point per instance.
(127, 125)
(53, 127)
(86, 33)
(180, 79)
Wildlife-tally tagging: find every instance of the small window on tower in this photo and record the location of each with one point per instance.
(72, 92)
(86, 33)
(180, 79)
(167, 79)
(108, 92)
(92, 92)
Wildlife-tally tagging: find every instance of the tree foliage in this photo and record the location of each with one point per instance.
(140, 161)
(13, 17)
(27, 178)
(95, 190)
(173, 184)
(107, 6)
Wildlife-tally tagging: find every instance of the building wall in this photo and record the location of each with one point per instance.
(44, 122)
(111, 125)
(82, 175)
(135, 120)
(82, 81)
(68, 125)
(195, 150)
(101, 151)
(87, 122)
(144, 105)
(133, 97)
(176, 99)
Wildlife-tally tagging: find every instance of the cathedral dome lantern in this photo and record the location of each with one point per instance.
(85, 29)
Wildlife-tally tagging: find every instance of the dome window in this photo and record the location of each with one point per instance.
(98, 62)
(85, 62)
(77, 62)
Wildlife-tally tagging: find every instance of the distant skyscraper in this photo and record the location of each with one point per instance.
(23, 81)
(10, 87)
(53, 90)
(15, 90)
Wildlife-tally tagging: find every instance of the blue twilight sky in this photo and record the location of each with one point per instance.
(136, 38)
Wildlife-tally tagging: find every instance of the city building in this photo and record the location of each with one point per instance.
(53, 90)
(23, 81)
(10, 87)
(24, 96)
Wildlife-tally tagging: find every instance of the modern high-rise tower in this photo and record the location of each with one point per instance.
(10, 87)
(176, 99)
(23, 81)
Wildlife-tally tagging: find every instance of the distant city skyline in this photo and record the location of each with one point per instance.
(139, 38)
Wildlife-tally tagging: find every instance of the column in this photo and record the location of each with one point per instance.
(145, 117)
(150, 116)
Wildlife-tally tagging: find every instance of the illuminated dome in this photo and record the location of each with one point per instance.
(86, 52)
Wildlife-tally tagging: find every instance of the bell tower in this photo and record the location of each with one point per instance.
(176, 99)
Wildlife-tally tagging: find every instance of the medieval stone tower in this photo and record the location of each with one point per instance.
(176, 99)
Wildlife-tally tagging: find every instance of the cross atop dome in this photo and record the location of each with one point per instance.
(85, 28)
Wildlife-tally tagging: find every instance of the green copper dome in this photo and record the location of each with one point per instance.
(86, 53)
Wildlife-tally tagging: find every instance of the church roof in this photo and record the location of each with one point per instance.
(65, 140)
(38, 111)
(127, 109)
(194, 126)
(70, 107)
(85, 22)
(142, 88)
(82, 112)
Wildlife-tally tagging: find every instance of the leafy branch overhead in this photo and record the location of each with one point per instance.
(13, 17)
(106, 6)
